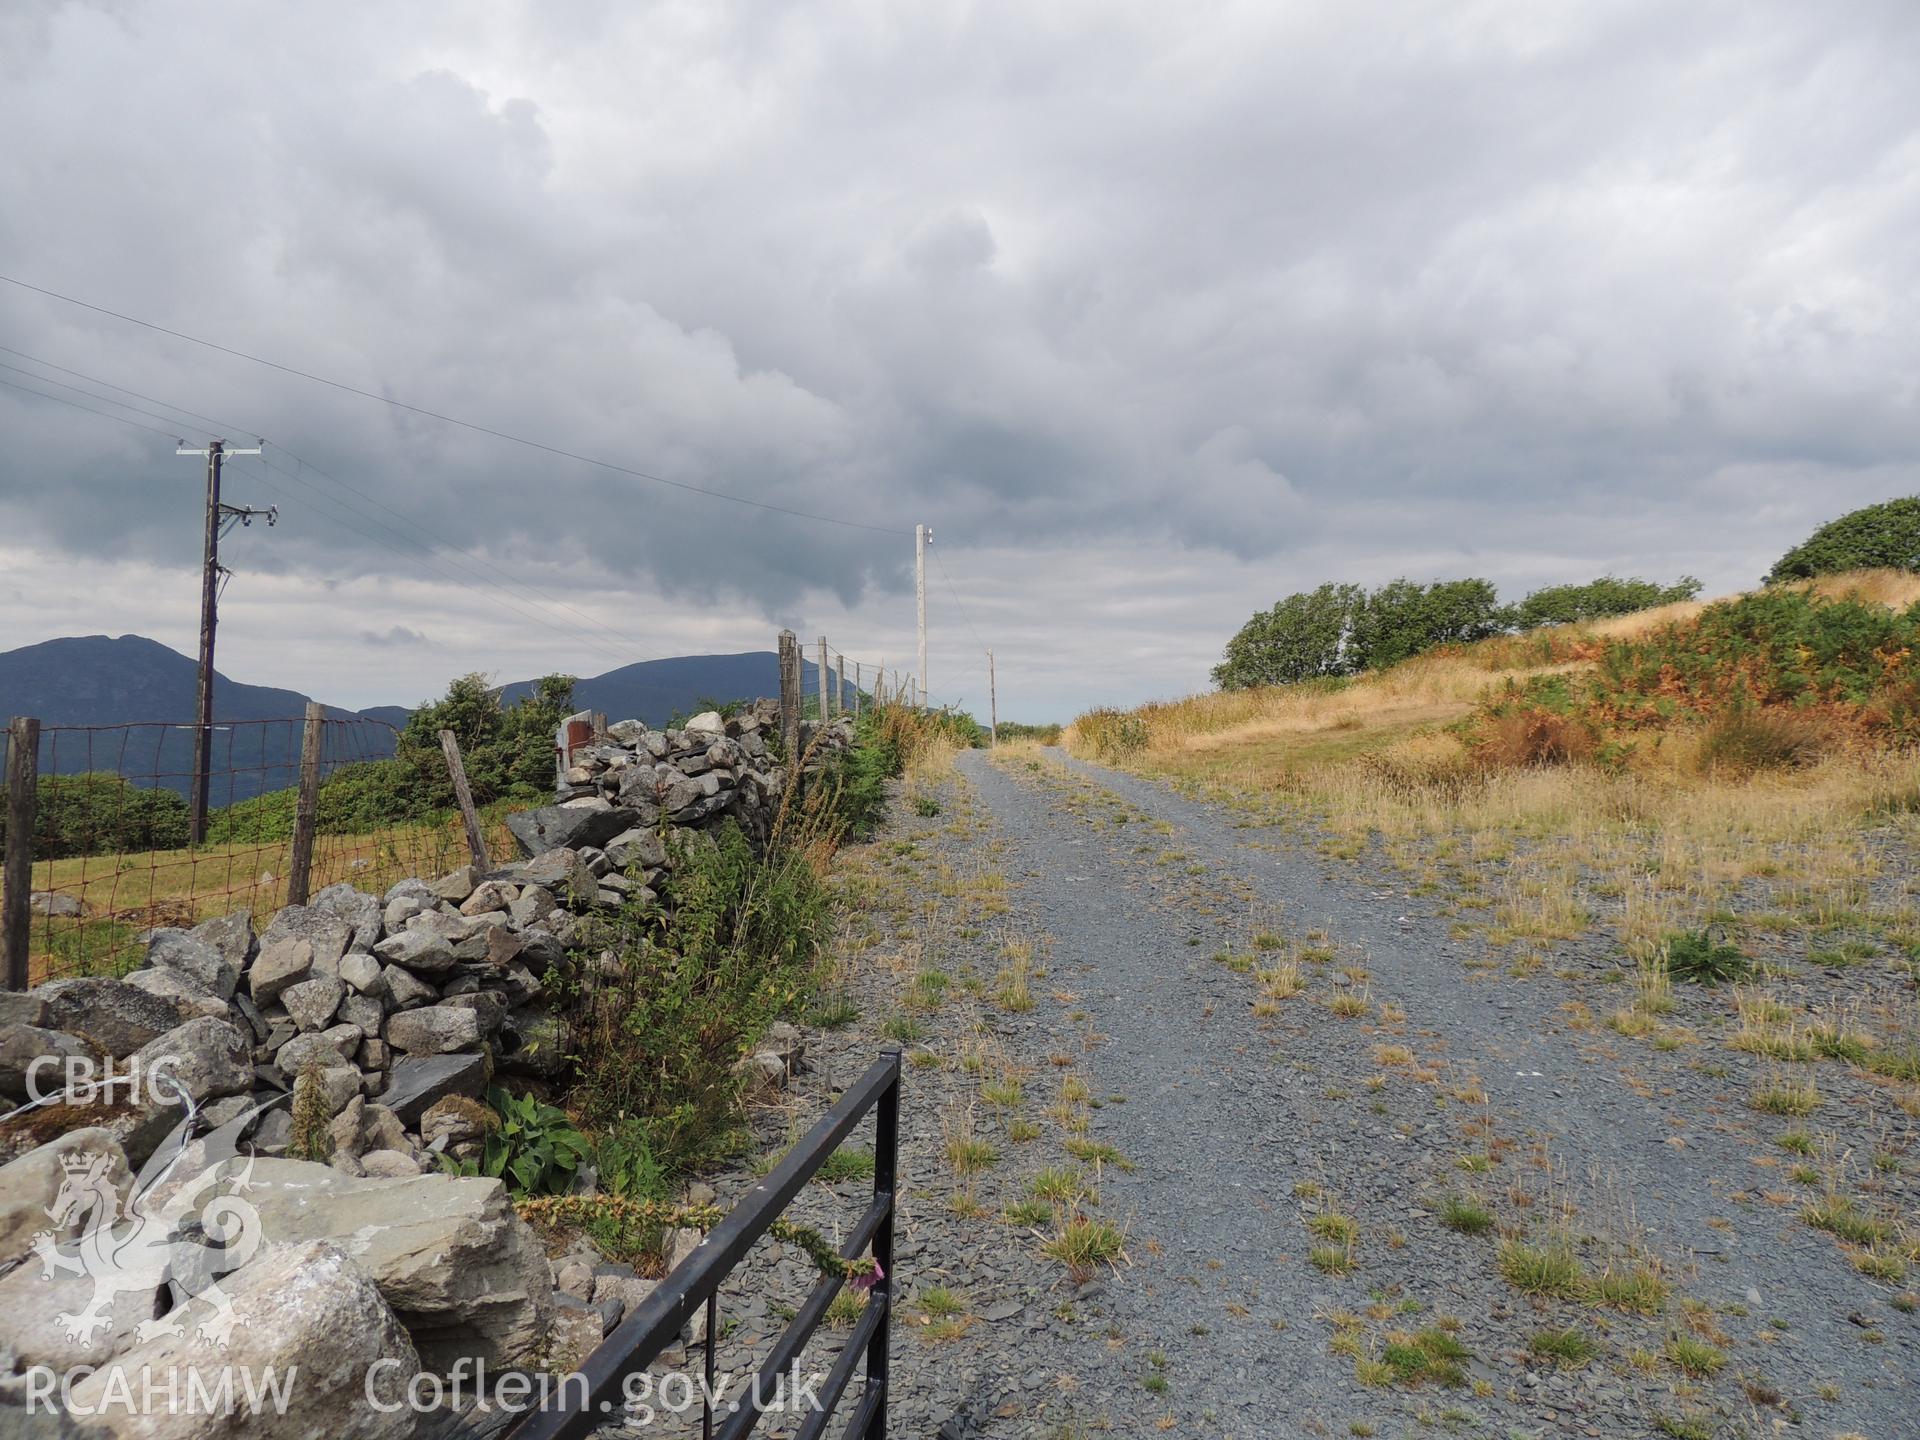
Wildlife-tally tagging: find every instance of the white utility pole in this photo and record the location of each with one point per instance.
(993, 704)
(921, 535)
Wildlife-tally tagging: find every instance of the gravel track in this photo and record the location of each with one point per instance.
(1226, 1113)
(1241, 1121)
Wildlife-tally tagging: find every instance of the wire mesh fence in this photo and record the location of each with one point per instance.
(112, 853)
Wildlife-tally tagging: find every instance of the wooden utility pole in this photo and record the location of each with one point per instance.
(306, 814)
(790, 694)
(823, 680)
(16, 917)
(993, 704)
(476, 841)
(920, 537)
(217, 516)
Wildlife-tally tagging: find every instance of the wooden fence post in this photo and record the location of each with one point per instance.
(839, 683)
(306, 814)
(856, 690)
(822, 667)
(23, 781)
(476, 841)
(790, 694)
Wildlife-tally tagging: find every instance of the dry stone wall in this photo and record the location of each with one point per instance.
(391, 1014)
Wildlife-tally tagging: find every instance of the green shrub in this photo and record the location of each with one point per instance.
(1885, 535)
(99, 813)
(1112, 734)
(1043, 734)
(659, 1041)
(1595, 600)
(1703, 957)
(506, 750)
(1403, 619)
(1776, 677)
(535, 1147)
(1344, 629)
(1743, 740)
(1301, 637)
(628, 1168)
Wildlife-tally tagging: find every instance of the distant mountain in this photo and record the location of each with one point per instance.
(394, 715)
(143, 696)
(656, 690)
(104, 680)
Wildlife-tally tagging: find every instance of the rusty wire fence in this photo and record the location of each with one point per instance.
(111, 848)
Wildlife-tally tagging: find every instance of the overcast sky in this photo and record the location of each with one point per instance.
(1154, 312)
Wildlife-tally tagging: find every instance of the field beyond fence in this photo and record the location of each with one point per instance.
(111, 850)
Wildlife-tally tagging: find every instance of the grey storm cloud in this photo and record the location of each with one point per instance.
(1316, 290)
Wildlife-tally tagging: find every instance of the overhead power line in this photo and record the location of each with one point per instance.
(150, 399)
(434, 546)
(75, 404)
(422, 554)
(419, 551)
(91, 394)
(954, 590)
(531, 444)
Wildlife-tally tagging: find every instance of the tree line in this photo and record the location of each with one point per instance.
(1338, 630)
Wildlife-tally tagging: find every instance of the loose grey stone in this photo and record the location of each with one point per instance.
(196, 959)
(116, 1016)
(355, 908)
(328, 934)
(280, 964)
(361, 971)
(311, 1003)
(433, 1030)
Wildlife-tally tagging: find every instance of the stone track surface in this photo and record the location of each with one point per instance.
(1227, 1113)
(1242, 1123)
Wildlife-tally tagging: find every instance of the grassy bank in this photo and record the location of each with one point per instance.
(1750, 761)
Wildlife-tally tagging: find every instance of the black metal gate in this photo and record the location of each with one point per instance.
(657, 1323)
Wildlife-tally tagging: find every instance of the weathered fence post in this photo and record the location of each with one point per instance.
(790, 694)
(856, 690)
(23, 780)
(476, 841)
(824, 716)
(306, 815)
(839, 683)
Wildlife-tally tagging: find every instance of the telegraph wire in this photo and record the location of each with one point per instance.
(540, 445)
(499, 599)
(103, 414)
(91, 394)
(150, 399)
(433, 546)
(315, 493)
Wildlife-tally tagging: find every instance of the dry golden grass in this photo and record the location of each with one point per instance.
(1376, 762)
(126, 894)
(1312, 725)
